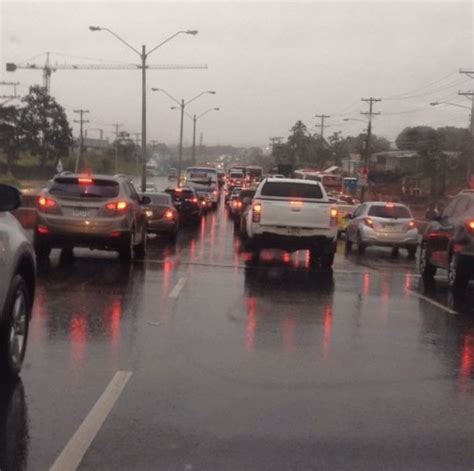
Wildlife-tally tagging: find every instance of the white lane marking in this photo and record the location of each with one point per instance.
(432, 301)
(73, 453)
(179, 286)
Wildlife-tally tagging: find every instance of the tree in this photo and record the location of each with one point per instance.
(47, 131)
(302, 145)
(11, 134)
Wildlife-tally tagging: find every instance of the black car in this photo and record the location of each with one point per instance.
(240, 204)
(186, 201)
(162, 217)
(448, 242)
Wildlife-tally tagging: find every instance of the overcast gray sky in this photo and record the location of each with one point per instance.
(270, 63)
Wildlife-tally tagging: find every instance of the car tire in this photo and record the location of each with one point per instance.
(360, 245)
(458, 272)
(326, 261)
(140, 249)
(348, 246)
(42, 248)
(14, 329)
(427, 269)
(126, 250)
(411, 252)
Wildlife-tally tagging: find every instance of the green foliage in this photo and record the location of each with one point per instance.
(47, 131)
(9, 179)
(11, 134)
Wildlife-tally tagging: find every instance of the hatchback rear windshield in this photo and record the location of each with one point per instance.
(292, 190)
(84, 188)
(236, 175)
(390, 212)
(163, 200)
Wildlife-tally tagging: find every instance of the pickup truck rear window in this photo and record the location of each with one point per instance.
(292, 190)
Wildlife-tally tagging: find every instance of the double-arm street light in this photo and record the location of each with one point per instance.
(143, 56)
(182, 104)
(436, 103)
(195, 118)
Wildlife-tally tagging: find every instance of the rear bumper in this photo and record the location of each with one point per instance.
(322, 244)
(390, 240)
(110, 241)
(159, 226)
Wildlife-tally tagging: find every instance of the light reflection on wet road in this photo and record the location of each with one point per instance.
(249, 367)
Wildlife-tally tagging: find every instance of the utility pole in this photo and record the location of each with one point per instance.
(470, 162)
(81, 122)
(370, 101)
(116, 126)
(321, 126)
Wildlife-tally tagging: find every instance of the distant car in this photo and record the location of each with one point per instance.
(344, 209)
(235, 178)
(93, 211)
(151, 188)
(172, 174)
(186, 201)
(17, 286)
(234, 193)
(382, 224)
(448, 242)
(205, 200)
(161, 215)
(240, 204)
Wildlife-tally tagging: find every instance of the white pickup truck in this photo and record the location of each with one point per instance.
(292, 214)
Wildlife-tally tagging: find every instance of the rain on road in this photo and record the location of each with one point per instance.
(231, 366)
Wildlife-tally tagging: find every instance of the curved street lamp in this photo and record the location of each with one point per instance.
(182, 104)
(143, 56)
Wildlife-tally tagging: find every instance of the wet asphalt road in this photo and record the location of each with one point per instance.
(237, 367)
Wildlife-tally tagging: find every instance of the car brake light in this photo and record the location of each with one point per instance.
(296, 203)
(169, 214)
(118, 206)
(411, 224)
(84, 181)
(333, 220)
(470, 225)
(42, 229)
(194, 200)
(389, 205)
(368, 222)
(214, 193)
(46, 203)
(256, 212)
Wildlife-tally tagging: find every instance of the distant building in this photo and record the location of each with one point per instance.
(351, 165)
(90, 143)
(393, 161)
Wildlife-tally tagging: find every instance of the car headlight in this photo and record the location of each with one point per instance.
(148, 213)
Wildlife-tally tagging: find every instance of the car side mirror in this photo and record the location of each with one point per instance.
(10, 198)
(145, 200)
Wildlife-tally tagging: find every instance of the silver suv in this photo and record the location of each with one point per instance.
(93, 211)
(17, 285)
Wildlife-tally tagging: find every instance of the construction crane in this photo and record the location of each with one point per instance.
(49, 68)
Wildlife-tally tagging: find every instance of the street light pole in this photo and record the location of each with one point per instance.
(180, 156)
(193, 157)
(143, 57)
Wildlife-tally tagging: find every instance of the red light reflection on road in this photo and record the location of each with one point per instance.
(192, 249)
(289, 334)
(286, 257)
(366, 286)
(78, 338)
(307, 259)
(251, 326)
(115, 319)
(466, 370)
(327, 327)
(408, 282)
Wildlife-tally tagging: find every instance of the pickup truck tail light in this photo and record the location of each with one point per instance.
(256, 212)
(334, 213)
(368, 222)
(469, 223)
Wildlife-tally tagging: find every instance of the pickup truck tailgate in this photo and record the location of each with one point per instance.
(309, 214)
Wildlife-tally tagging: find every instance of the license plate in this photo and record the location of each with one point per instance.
(80, 212)
(294, 231)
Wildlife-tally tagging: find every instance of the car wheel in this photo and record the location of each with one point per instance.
(360, 245)
(14, 331)
(42, 248)
(412, 252)
(126, 251)
(140, 249)
(458, 272)
(427, 269)
(326, 261)
(348, 245)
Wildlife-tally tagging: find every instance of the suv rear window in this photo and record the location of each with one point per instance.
(292, 190)
(84, 188)
(390, 212)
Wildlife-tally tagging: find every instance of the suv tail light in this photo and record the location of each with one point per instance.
(117, 206)
(333, 220)
(46, 204)
(169, 214)
(411, 225)
(256, 212)
(469, 223)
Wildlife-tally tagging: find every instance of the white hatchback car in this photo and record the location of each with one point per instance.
(383, 224)
(17, 286)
